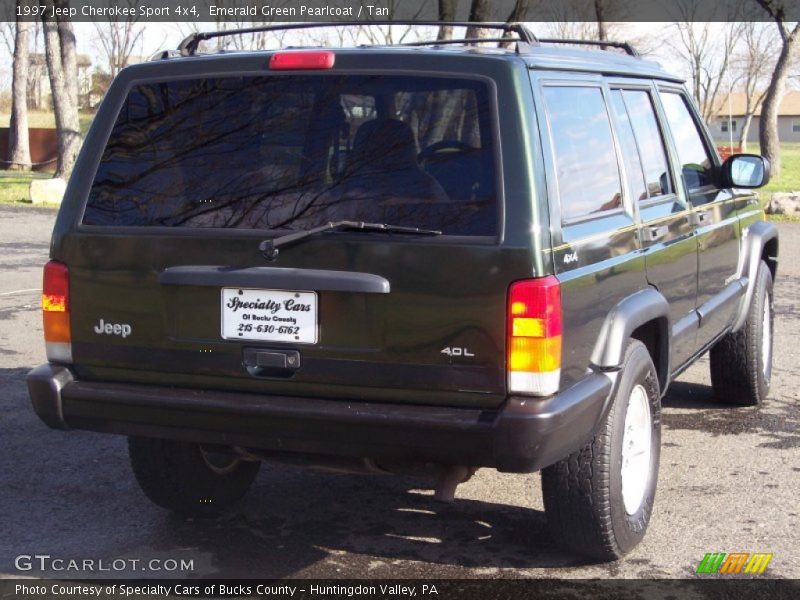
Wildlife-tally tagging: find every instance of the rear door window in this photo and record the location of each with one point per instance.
(586, 164)
(295, 152)
(630, 151)
(643, 147)
(651, 145)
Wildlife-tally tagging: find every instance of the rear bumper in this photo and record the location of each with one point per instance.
(524, 435)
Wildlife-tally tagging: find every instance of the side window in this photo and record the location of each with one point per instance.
(630, 153)
(692, 152)
(585, 160)
(651, 145)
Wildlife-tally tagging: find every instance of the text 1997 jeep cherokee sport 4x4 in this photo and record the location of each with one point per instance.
(388, 257)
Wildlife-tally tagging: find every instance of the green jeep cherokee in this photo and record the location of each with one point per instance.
(395, 258)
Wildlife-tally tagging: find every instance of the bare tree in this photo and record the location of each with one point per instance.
(118, 38)
(480, 10)
(259, 40)
(516, 15)
(754, 62)
(59, 41)
(338, 37)
(768, 133)
(447, 12)
(601, 19)
(8, 31)
(707, 52)
(389, 35)
(570, 19)
(19, 147)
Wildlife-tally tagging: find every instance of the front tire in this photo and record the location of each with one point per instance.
(741, 362)
(598, 500)
(188, 478)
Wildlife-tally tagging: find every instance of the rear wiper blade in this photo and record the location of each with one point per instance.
(269, 248)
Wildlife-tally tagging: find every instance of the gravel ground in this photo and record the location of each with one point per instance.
(729, 481)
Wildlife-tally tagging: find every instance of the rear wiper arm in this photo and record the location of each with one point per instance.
(269, 248)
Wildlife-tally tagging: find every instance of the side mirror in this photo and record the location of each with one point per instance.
(745, 171)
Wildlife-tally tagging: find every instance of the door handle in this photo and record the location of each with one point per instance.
(657, 232)
(271, 363)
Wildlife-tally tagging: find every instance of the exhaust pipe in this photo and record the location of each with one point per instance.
(449, 479)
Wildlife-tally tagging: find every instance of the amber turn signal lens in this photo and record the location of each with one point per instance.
(535, 354)
(56, 327)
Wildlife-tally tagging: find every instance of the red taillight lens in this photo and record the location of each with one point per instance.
(303, 60)
(534, 336)
(55, 287)
(55, 311)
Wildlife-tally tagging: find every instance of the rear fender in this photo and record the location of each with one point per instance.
(754, 240)
(625, 318)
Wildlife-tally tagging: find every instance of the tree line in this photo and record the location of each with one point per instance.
(746, 53)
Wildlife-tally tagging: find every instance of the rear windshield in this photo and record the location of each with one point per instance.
(294, 152)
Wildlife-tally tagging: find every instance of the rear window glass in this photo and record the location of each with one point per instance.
(294, 152)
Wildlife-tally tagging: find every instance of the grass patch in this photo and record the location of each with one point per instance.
(15, 185)
(789, 181)
(46, 119)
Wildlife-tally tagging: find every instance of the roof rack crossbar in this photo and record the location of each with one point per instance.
(622, 45)
(189, 45)
(460, 41)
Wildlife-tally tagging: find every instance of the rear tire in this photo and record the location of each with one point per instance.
(188, 479)
(598, 500)
(741, 362)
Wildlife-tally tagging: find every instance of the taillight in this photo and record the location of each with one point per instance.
(534, 336)
(55, 311)
(302, 60)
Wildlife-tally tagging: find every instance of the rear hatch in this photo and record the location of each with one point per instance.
(169, 284)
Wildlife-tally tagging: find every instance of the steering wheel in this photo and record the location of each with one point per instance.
(443, 145)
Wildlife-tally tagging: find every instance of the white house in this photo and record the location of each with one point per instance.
(39, 96)
(723, 124)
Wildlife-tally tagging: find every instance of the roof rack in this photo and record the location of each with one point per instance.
(188, 47)
(525, 37)
(622, 45)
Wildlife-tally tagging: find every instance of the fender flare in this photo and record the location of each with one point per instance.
(631, 313)
(754, 239)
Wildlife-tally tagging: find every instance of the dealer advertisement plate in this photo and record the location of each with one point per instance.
(269, 315)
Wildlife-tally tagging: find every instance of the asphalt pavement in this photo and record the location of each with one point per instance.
(729, 482)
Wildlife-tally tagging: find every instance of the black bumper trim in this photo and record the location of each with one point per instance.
(523, 435)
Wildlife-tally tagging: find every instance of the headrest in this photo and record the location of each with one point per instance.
(384, 143)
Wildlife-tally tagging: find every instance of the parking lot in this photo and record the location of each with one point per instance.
(729, 481)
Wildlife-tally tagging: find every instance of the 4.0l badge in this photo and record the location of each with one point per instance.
(455, 351)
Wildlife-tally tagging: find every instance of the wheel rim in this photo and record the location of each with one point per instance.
(766, 339)
(220, 463)
(636, 450)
